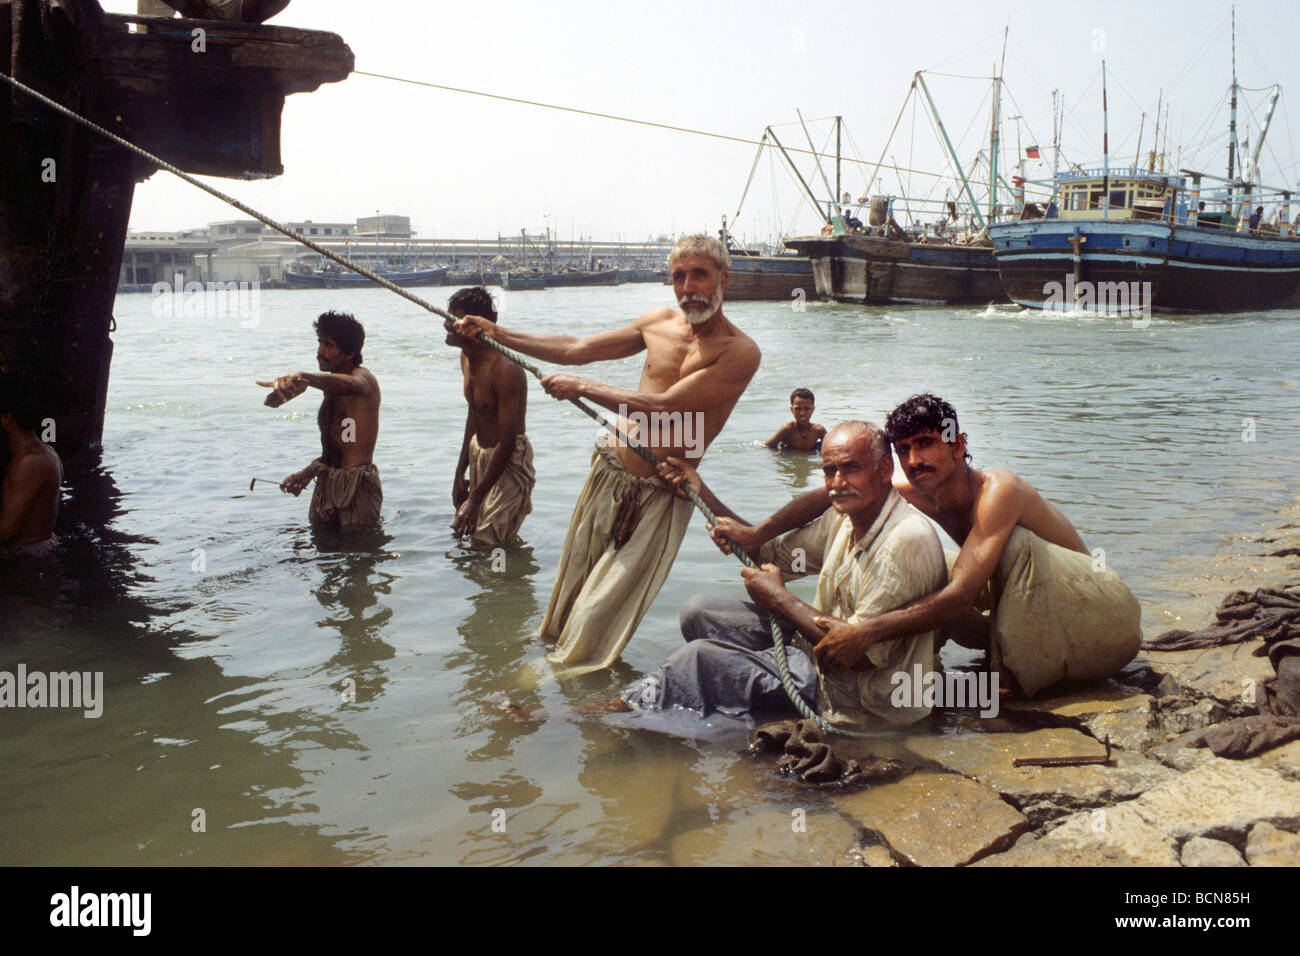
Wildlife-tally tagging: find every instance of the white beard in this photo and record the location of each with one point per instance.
(697, 314)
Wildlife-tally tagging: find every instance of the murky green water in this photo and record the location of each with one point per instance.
(228, 632)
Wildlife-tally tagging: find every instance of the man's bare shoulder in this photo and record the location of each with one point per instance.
(36, 466)
(658, 316)
(366, 379)
(1008, 495)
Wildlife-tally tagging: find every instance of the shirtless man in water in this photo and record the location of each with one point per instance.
(493, 503)
(628, 525)
(348, 493)
(29, 497)
(1054, 612)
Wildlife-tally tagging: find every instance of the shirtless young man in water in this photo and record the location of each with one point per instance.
(348, 493)
(1055, 614)
(628, 525)
(492, 504)
(29, 497)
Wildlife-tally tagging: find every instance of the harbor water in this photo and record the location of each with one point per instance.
(273, 695)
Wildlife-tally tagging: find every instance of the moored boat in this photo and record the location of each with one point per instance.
(877, 270)
(756, 277)
(1148, 246)
(339, 279)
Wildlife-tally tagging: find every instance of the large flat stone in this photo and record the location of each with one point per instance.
(1285, 760)
(1113, 836)
(1042, 793)
(1220, 798)
(1222, 673)
(936, 819)
(1124, 714)
(1269, 846)
(769, 837)
(1199, 851)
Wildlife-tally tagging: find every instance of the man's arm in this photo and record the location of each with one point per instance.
(720, 383)
(775, 440)
(996, 514)
(459, 486)
(766, 586)
(359, 382)
(794, 515)
(560, 349)
(21, 485)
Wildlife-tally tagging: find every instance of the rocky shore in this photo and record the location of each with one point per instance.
(1158, 802)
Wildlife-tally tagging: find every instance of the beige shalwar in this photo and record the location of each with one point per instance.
(346, 497)
(1056, 615)
(602, 592)
(508, 501)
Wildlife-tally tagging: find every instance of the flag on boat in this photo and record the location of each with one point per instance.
(1031, 152)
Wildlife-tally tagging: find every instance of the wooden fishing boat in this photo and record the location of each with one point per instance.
(340, 279)
(514, 280)
(781, 277)
(581, 277)
(1135, 239)
(877, 270)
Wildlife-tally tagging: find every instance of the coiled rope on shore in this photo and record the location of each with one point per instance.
(777, 625)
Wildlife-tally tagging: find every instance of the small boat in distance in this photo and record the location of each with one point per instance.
(337, 278)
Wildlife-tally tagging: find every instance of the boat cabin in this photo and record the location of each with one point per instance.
(1133, 194)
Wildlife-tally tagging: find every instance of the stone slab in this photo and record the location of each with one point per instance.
(1200, 851)
(1269, 846)
(1220, 798)
(1042, 793)
(1114, 836)
(936, 819)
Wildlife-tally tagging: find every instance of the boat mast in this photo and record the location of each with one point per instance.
(919, 80)
(1232, 111)
(839, 122)
(994, 135)
(1056, 139)
(830, 206)
(1105, 148)
(795, 169)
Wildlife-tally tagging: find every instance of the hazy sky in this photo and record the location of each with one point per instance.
(464, 166)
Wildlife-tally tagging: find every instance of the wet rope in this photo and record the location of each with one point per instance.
(778, 636)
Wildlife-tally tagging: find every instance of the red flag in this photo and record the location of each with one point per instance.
(1031, 152)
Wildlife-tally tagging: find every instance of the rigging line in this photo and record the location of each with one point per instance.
(1197, 58)
(752, 169)
(958, 76)
(777, 625)
(581, 112)
(970, 50)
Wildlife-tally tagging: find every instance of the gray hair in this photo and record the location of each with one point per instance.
(875, 437)
(702, 245)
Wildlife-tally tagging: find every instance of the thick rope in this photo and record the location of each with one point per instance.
(787, 681)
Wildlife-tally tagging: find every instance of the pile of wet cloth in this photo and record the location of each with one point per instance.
(806, 755)
(1273, 616)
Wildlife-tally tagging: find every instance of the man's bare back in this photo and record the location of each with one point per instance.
(29, 501)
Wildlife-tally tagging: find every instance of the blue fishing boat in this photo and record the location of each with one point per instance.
(1137, 239)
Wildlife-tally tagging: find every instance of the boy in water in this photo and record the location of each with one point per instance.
(800, 434)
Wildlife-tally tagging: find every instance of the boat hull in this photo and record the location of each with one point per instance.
(871, 270)
(1176, 268)
(557, 280)
(354, 280)
(768, 278)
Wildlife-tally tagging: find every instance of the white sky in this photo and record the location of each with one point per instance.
(464, 166)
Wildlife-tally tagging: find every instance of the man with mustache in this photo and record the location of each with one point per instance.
(1053, 612)
(348, 493)
(627, 524)
(875, 552)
